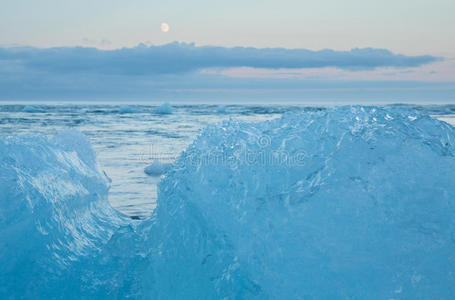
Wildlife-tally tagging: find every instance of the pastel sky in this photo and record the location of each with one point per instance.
(397, 46)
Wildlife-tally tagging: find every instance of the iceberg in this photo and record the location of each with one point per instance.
(344, 203)
(125, 109)
(164, 109)
(157, 168)
(222, 109)
(31, 109)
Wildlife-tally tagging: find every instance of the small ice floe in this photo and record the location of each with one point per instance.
(221, 110)
(31, 109)
(157, 168)
(164, 109)
(125, 109)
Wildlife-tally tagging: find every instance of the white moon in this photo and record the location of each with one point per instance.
(164, 27)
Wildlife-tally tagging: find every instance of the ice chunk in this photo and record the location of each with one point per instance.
(124, 109)
(347, 203)
(221, 109)
(164, 109)
(157, 168)
(53, 212)
(31, 109)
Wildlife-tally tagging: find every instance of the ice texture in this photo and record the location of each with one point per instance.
(53, 211)
(164, 109)
(348, 203)
(344, 203)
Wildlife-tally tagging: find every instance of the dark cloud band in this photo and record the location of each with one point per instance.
(177, 58)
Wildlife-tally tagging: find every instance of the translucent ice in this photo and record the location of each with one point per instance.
(164, 109)
(31, 109)
(125, 109)
(53, 211)
(222, 109)
(344, 203)
(348, 203)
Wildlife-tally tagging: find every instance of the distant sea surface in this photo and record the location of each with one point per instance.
(129, 138)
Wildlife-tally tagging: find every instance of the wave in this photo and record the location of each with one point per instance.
(347, 202)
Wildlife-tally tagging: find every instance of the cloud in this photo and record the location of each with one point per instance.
(177, 58)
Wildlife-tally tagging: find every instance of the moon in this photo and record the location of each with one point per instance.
(164, 27)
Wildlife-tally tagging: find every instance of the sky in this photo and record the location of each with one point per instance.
(292, 50)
